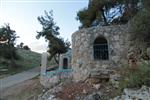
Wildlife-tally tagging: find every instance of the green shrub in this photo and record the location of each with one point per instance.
(136, 78)
(140, 27)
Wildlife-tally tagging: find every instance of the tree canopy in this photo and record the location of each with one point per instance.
(140, 28)
(7, 42)
(50, 31)
(106, 12)
(7, 35)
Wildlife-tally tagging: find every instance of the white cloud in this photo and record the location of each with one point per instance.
(38, 47)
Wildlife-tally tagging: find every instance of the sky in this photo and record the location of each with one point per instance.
(22, 17)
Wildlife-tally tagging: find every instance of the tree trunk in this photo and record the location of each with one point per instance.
(104, 17)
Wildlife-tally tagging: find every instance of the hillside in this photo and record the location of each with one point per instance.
(27, 60)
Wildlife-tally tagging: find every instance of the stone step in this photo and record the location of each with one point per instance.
(103, 72)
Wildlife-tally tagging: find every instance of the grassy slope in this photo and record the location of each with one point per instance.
(27, 60)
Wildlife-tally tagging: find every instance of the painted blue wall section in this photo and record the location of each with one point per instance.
(58, 72)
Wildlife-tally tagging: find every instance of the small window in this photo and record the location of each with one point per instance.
(100, 49)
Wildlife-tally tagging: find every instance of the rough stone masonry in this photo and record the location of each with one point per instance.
(83, 61)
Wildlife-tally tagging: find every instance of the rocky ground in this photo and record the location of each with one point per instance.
(135, 94)
(100, 85)
(32, 90)
(85, 91)
(80, 91)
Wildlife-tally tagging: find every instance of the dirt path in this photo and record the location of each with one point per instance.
(27, 90)
(17, 78)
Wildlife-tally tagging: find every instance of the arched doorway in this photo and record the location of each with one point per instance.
(100, 49)
(65, 63)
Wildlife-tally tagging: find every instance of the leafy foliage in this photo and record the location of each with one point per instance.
(49, 26)
(7, 42)
(26, 47)
(7, 35)
(27, 60)
(140, 30)
(22, 46)
(146, 3)
(106, 12)
(136, 78)
(50, 32)
(141, 27)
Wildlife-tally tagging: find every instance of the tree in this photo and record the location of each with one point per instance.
(140, 29)
(26, 47)
(7, 42)
(21, 45)
(106, 12)
(7, 35)
(50, 31)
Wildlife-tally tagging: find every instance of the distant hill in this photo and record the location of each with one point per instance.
(27, 60)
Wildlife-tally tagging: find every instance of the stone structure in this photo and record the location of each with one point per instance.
(65, 60)
(93, 49)
(54, 77)
(44, 63)
(114, 43)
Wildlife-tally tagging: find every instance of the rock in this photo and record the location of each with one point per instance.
(53, 80)
(93, 80)
(93, 96)
(132, 94)
(97, 86)
(104, 66)
(49, 95)
(114, 79)
(96, 97)
(81, 75)
(49, 81)
(116, 59)
(84, 91)
(102, 75)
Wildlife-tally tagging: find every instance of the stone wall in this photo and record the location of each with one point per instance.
(82, 49)
(54, 77)
(66, 55)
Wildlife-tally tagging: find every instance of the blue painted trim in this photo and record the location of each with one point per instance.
(58, 72)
